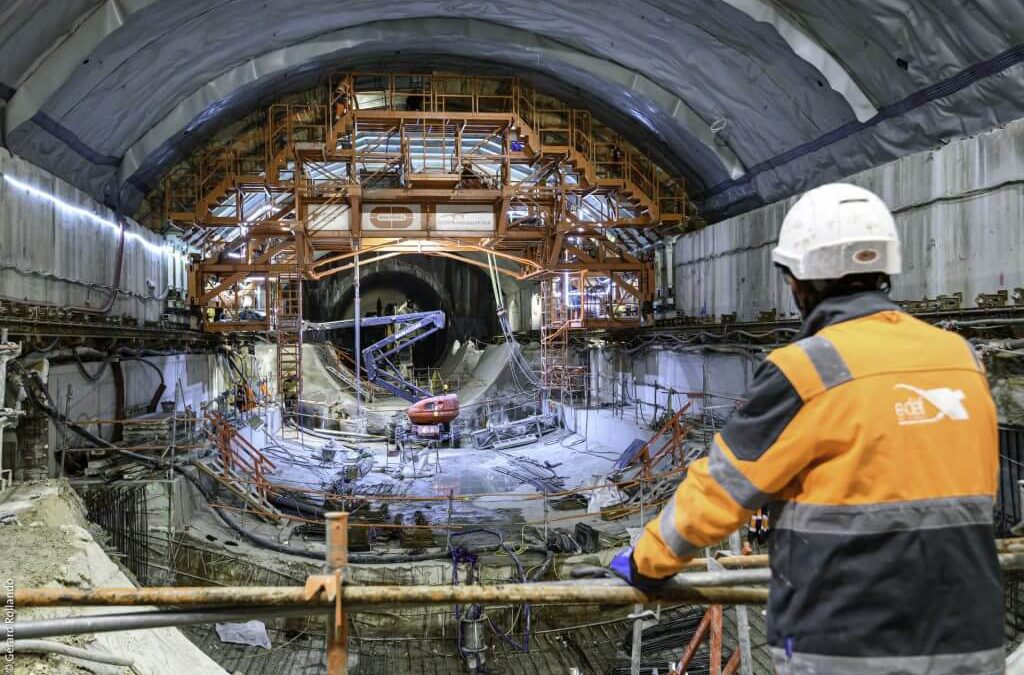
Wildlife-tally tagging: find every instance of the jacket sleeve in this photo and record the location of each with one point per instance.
(755, 456)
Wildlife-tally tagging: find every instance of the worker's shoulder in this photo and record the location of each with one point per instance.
(884, 342)
(892, 324)
(793, 363)
(895, 341)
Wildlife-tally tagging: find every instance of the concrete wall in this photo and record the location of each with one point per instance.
(959, 210)
(653, 376)
(202, 376)
(62, 255)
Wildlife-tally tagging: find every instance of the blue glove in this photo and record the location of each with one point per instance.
(625, 568)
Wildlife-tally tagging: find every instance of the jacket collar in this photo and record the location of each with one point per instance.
(839, 308)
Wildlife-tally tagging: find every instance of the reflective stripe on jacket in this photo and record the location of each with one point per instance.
(876, 440)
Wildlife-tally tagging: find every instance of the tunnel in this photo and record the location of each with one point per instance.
(737, 291)
(407, 284)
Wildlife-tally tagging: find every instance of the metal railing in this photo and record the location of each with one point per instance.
(739, 581)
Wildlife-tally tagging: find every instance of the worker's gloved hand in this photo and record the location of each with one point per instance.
(624, 567)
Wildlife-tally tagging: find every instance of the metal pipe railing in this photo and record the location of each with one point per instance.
(736, 584)
(686, 586)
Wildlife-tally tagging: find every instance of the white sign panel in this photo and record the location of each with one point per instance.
(392, 218)
(328, 218)
(464, 218)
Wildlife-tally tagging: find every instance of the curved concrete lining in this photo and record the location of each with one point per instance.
(813, 52)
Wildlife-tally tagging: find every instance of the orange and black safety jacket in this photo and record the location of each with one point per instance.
(874, 440)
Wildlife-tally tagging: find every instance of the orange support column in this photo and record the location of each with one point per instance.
(715, 646)
(691, 649)
(337, 624)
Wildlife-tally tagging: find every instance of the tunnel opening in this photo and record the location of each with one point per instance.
(393, 292)
(419, 285)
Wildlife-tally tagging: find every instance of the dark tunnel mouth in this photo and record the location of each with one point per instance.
(430, 351)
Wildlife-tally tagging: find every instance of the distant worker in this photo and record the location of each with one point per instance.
(757, 530)
(874, 436)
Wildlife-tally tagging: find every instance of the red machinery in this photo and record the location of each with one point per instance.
(435, 410)
(429, 416)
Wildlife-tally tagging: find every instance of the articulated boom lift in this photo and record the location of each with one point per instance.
(430, 415)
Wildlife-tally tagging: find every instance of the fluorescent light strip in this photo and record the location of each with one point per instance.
(85, 213)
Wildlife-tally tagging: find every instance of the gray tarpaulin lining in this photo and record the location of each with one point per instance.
(700, 165)
(27, 32)
(139, 49)
(723, 64)
(408, 33)
(807, 48)
(60, 64)
(776, 77)
(951, 85)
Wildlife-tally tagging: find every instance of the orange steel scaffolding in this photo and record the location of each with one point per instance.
(435, 164)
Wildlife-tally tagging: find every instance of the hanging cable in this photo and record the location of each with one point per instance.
(91, 377)
(517, 362)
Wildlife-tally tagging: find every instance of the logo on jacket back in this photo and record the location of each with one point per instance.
(930, 405)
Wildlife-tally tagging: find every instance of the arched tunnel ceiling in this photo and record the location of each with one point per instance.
(752, 100)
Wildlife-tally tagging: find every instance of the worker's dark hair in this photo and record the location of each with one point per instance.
(813, 291)
(852, 283)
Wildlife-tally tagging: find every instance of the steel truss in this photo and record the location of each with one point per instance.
(443, 165)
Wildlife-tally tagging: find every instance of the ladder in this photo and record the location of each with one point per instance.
(556, 322)
(289, 344)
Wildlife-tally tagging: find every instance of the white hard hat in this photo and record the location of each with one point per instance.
(835, 230)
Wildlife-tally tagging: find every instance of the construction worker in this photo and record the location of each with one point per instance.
(874, 437)
(757, 530)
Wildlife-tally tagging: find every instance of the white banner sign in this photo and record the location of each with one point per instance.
(465, 218)
(328, 218)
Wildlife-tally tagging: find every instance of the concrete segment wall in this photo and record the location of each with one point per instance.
(202, 376)
(670, 379)
(959, 209)
(51, 254)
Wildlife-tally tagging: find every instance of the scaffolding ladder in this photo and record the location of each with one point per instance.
(289, 344)
(558, 377)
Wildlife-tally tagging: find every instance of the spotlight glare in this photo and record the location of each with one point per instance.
(96, 218)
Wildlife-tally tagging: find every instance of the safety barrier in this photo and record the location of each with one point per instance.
(736, 583)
